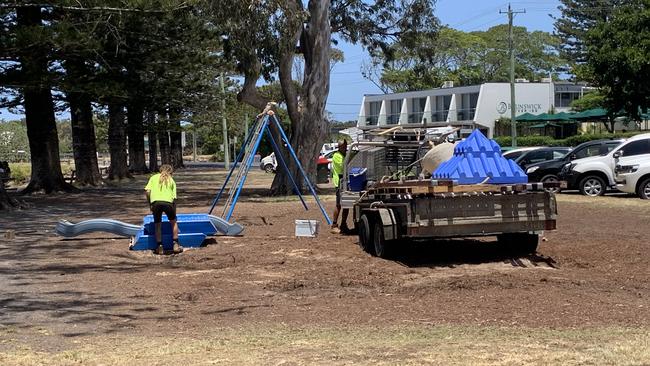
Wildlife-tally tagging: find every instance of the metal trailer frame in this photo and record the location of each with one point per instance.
(516, 215)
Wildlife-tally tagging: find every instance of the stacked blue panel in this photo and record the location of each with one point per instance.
(190, 223)
(478, 159)
(146, 240)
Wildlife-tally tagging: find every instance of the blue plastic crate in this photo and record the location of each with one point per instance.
(478, 159)
(357, 179)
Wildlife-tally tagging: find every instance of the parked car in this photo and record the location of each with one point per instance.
(540, 155)
(548, 171)
(593, 175)
(269, 164)
(634, 177)
(515, 153)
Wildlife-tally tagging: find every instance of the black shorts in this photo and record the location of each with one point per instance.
(158, 207)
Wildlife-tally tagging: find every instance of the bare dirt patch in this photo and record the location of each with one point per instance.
(592, 272)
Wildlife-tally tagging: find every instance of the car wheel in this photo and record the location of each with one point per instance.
(551, 179)
(644, 189)
(592, 186)
(365, 235)
(269, 168)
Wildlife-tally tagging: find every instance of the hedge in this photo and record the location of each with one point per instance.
(569, 141)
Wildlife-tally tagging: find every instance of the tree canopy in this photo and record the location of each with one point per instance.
(465, 58)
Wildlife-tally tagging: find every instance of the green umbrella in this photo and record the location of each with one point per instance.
(527, 117)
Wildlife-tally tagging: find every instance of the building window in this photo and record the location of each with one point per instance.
(564, 99)
(395, 109)
(417, 110)
(372, 118)
(467, 106)
(442, 102)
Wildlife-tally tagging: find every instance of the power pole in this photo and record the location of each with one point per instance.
(226, 146)
(511, 49)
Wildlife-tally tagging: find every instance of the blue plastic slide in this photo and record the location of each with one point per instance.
(68, 229)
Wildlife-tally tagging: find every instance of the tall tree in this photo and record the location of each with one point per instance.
(83, 129)
(464, 58)
(152, 135)
(117, 142)
(618, 57)
(264, 38)
(576, 19)
(39, 107)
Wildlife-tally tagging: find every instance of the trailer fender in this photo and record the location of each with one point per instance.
(387, 219)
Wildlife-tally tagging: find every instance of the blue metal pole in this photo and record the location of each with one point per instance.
(302, 171)
(278, 153)
(247, 167)
(239, 156)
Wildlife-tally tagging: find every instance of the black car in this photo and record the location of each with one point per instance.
(548, 171)
(541, 155)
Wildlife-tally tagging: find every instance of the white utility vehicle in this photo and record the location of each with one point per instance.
(633, 176)
(593, 175)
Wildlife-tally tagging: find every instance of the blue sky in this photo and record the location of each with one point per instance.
(348, 86)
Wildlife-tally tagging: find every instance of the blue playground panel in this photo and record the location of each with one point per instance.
(478, 158)
(193, 229)
(189, 223)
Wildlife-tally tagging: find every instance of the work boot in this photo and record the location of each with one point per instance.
(159, 250)
(177, 248)
(334, 229)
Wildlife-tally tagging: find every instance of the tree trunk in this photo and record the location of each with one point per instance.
(163, 139)
(153, 142)
(117, 142)
(176, 140)
(83, 139)
(39, 116)
(6, 201)
(307, 113)
(135, 131)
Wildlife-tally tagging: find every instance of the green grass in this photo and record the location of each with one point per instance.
(21, 172)
(406, 345)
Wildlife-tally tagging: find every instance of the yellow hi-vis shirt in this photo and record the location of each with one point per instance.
(337, 167)
(161, 192)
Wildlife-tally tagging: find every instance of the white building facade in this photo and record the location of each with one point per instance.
(467, 107)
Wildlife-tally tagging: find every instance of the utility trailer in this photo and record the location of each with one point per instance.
(515, 214)
(389, 213)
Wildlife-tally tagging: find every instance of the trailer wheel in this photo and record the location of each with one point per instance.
(519, 243)
(383, 248)
(365, 234)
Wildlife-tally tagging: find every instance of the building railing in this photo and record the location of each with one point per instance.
(372, 120)
(415, 117)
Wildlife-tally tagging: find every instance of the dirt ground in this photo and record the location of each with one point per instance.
(268, 297)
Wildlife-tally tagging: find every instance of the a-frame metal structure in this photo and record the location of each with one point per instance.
(248, 151)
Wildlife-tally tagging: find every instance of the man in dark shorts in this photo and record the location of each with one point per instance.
(161, 195)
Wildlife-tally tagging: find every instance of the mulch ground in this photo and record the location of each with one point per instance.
(592, 271)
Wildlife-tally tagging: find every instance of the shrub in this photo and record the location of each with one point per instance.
(20, 172)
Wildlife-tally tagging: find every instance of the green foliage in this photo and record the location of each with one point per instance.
(589, 101)
(20, 172)
(13, 138)
(618, 54)
(465, 58)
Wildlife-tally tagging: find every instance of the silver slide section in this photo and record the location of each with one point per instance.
(225, 227)
(68, 229)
